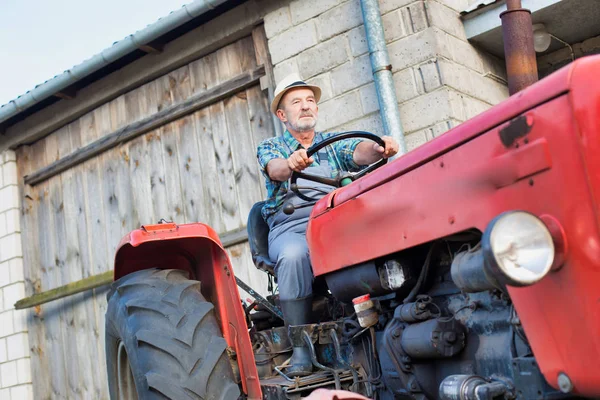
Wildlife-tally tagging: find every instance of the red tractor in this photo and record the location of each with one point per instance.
(468, 268)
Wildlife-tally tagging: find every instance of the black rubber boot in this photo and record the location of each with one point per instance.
(298, 312)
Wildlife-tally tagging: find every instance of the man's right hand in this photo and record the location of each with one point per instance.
(299, 160)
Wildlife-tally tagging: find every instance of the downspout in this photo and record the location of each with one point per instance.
(382, 72)
(517, 34)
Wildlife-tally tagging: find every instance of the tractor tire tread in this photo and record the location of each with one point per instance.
(177, 350)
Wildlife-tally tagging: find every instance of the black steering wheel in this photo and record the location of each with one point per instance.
(344, 178)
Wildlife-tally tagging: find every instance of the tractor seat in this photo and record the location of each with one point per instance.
(258, 238)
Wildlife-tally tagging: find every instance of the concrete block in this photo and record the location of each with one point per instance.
(3, 231)
(13, 293)
(413, 49)
(302, 10)
(370, 123)
(277, 21)
(338, 111)
(473, 106)
(339, 19)
(292, 41)
(5, 393)
(13, 220)
(358, 41)
(427, 110)
(394, 26)
(8, 156)
(20, 321)
(471, 82)
(443, 127)
(406, 85)
(1, 301)
(5, 274)
(385, 6)
(16, 270)
(324, 82)
(3, 351)
(429, 73)
(8, 374)
(417, 17)
(24, 370)
(22, 392)
(325, 56)
(418, 138)
(459, 51)
(285, 68)
(18, 346)
(351, 75)
(9, 173)
(9, 197)
(445, 18)
(368, 99)
(10, 246)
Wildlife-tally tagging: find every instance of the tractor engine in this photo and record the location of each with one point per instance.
(435, 323)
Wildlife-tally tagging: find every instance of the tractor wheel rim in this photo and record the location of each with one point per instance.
(125, 380)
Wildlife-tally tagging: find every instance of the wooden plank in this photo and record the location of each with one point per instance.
(190, 160)
(79, 369)
(229, 208)
(201, 80)
(74, 193)
(170, 153)
(45, 228)
(158, 190)
(216, 33)
(70, 289)
(135, 129)
(234, 59)
(40, 363)
(92, 173)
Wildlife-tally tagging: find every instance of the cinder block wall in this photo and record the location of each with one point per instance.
(15, 369)
(441, 80)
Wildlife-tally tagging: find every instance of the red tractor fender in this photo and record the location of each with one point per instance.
(195, 248)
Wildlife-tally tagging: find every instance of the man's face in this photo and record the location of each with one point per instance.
(298, 109)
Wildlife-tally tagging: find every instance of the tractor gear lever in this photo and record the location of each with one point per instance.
(289, 208)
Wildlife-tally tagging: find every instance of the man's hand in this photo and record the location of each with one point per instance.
(391, 147)
(368, 152)
(299, 160)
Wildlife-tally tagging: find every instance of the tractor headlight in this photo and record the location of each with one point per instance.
(518, 248)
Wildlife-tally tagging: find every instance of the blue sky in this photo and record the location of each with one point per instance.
(42, 38)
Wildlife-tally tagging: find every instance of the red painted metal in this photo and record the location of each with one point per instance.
(196, 248)
(466, 177)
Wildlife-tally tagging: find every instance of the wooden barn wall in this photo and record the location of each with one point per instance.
(199, 168)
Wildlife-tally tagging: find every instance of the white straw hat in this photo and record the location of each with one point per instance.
(290, 82)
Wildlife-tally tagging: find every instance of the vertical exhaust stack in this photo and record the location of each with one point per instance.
(517, 33)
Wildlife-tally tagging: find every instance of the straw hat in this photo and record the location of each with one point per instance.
(290, 82)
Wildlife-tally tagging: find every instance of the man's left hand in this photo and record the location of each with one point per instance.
(390, 149)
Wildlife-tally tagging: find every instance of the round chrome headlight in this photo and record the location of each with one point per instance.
(518, 248)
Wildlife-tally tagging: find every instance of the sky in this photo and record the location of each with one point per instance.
(42, 38)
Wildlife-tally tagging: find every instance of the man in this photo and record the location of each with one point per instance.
(295, 104)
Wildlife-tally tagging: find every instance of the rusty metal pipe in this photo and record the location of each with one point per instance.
(517, 33)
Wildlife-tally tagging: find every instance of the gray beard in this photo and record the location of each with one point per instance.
(304, 126)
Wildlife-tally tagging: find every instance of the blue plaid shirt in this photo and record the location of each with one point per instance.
(339, 155)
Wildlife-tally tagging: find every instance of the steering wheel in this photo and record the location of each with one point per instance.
(344, 178)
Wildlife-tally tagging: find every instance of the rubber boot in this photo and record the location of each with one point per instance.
(298, 312)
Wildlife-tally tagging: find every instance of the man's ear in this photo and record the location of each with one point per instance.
(281, 115)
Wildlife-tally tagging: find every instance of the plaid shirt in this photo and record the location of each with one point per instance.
(339, 156)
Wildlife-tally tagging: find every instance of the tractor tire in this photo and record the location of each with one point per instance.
(163, 340)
